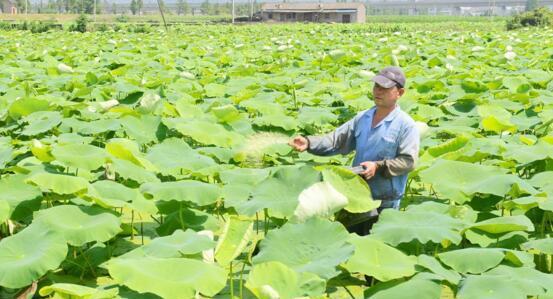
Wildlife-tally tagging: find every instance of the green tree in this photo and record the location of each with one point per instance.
(134, 7)
(140, 5)
(216, 9)
(205, 7)
(182, 7)
(531, 5)
(162, 6)
(20, 4)
(88, 6)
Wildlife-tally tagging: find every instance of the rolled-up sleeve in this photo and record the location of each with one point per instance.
(341, 141)
(407, 155)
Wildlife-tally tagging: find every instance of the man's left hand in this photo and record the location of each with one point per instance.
(370, 169)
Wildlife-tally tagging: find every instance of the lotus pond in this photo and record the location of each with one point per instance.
(156, 165)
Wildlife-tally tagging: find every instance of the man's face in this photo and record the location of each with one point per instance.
(386, 97)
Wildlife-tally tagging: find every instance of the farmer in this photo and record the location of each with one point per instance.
(386, 144)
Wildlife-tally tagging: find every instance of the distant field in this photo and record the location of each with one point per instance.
(110, 18)
(431, 19)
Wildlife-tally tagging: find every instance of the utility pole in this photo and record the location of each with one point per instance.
(94, 11)
(232, 11)
(162, 15)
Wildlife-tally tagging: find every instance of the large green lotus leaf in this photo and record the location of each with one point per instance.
(433, 265)
(5, 210)
(249, 176)
(473, 86)
(6, 152)
(77, 155)
(449, 146)
(264, 104)
(16, 193)
(463, 213)
(235, 195)
(226, 113)
(317, 116)
(539, 246)
(74, 291)
(176, 245)
(276, 280)
(485, 239)
(542, 179)
(25, 106)
(110, 194)
(40, 122)
(427, 113)
(277, 120)
(93, 127)
(454, 180)
(517, 84)
(194, 191)
(168, 277)
(316, 246)
(29, 254)
(215, 90)
(223, 155)
(142, 129)
(174, 154)
(279, 192)
(128, 150)
(500, 185)
(353, 187)
(128, 170)
(209, 133)
(491, 287)
(424, 289)
(528, 278)
(529, 153)
(526, 203)
(505, 224)
(472, 260)
(58, 183)
(319, 200)
(373, 257)
(79, 225)
(494, 124)
(142, 205)
(494, 110)
(395, 227)
(520, 258)
(235, 237)
(187, 218)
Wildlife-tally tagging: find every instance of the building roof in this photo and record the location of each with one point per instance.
(311, 7)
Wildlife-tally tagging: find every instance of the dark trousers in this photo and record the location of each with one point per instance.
(364, 228)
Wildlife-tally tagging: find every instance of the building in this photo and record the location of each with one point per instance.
(8, 6)
(313, 12)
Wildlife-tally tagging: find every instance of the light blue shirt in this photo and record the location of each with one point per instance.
(395, 135)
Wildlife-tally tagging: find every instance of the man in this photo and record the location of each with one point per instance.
(386, 144)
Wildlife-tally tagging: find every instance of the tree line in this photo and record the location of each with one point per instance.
(135, 7)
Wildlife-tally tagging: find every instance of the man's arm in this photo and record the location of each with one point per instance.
(408, 153)
(341, 141)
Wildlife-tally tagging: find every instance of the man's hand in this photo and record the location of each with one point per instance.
(299, 143)
(370, 169)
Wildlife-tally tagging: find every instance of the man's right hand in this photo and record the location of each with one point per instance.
(299, 143)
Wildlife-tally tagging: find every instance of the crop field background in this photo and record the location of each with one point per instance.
(155, 165)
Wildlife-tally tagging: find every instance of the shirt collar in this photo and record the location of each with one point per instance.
(388, 117)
